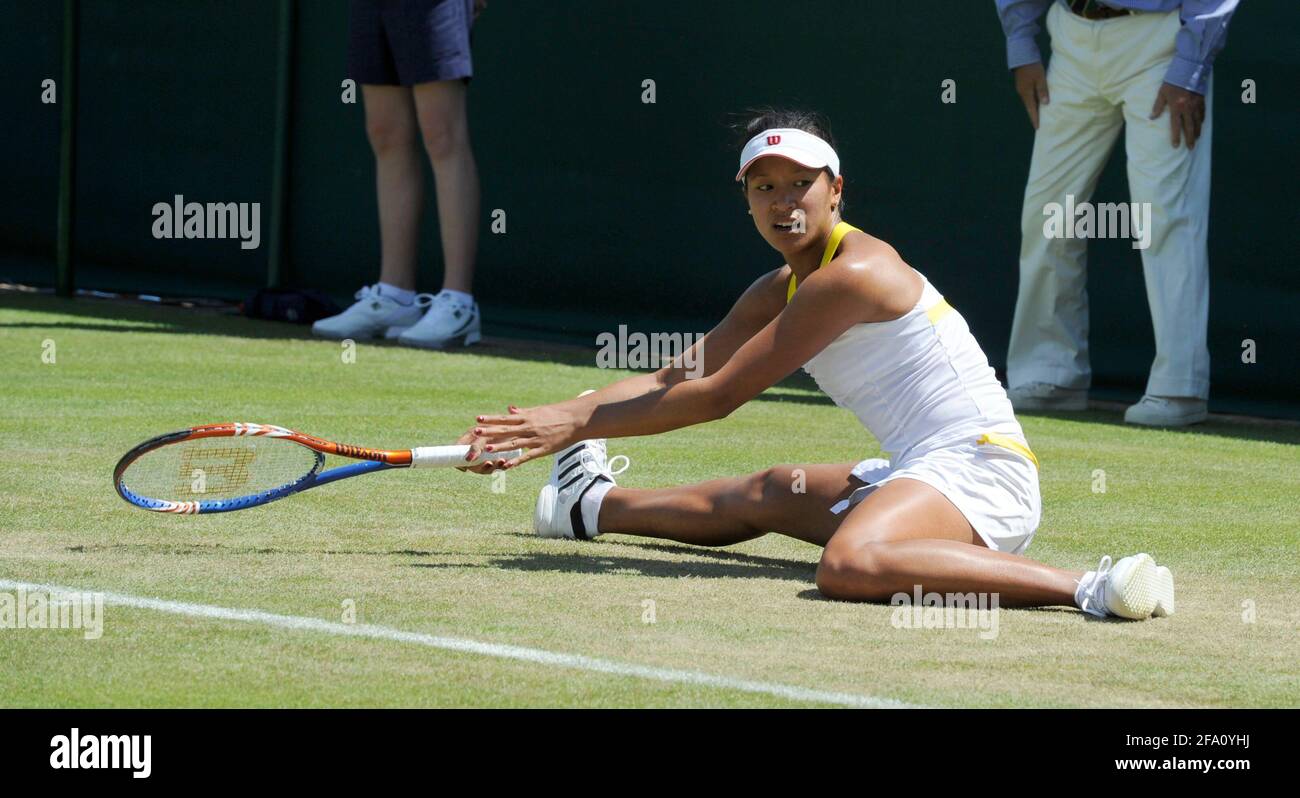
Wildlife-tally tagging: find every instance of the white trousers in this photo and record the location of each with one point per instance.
(1104, 76)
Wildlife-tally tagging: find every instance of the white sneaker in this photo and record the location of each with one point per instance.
(1045, 396)
(447, 323)
(1136, 588)
(1167, 411)
(577, 470)
(373, 315)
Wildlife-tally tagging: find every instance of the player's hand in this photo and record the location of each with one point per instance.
(1031, 85)
(541, 430)
(1186, 113)
(484, 468)
(479, 5)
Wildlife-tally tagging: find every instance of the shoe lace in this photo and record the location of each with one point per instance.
(446, 299)
(593, 466)
(1094, 597)
(368, 291)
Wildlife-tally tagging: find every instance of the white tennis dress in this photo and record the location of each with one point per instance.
(924, 388)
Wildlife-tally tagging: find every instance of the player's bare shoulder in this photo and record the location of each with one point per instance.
(874, 270)
(765, 297)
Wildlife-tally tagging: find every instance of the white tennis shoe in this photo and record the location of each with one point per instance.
(1135, 588)
(576, 471)
(1045, 396)
(1167, 411)
(373, 315)
(449, 322)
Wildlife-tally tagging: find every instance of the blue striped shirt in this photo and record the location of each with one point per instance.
(1204, 30)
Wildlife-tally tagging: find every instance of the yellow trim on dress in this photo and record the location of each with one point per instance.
(935, 312)
(833, 243)
(938, 310)
(1006, 442)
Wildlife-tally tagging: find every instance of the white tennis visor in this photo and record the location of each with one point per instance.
(792, 144)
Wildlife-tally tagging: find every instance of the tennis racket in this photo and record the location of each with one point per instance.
(216, 468)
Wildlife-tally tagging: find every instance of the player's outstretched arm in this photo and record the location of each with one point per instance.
(827, 305)
(759, 303)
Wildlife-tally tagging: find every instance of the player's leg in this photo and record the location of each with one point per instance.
(791, 500)
(907, 533)
(399, 179)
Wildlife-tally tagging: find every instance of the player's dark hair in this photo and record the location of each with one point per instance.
(753, 121)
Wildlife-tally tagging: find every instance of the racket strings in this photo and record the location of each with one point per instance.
(218, 468)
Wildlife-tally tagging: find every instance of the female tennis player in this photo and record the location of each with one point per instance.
(953, 508)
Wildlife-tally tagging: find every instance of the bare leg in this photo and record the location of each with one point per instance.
(726, 511)
(399, 181)
(906, 533)
(444, 123)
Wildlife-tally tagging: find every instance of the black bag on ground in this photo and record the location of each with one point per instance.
(296, 305)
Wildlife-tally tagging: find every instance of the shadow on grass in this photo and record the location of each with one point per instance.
(130, 316)
(601, 557)
(218, 549)
(125, 316)
(140, 317)
(596, 560)
(20, 325)
(1279, 432)
(601, 563)
(816, 595)
(813, 594)
(707, 552)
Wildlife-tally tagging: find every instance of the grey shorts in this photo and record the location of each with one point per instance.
(405, 42)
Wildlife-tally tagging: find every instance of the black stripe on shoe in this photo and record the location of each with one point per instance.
(570, 482)
(568, 471)
(575, 512)
(577, 448)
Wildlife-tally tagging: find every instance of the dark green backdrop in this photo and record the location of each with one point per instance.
(619, 211)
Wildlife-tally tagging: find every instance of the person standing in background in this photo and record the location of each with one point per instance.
(1119, 64)
(412, 59)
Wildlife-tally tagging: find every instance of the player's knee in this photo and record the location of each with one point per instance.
(835, 576)
(851, 572)
(753, 492)
(744, 499)
(777, 483)
(769, 493)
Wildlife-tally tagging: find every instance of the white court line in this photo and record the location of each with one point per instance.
(467, 646)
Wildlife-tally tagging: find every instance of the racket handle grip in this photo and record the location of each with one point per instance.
(454, 456)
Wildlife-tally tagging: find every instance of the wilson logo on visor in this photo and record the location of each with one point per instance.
(771, 140)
